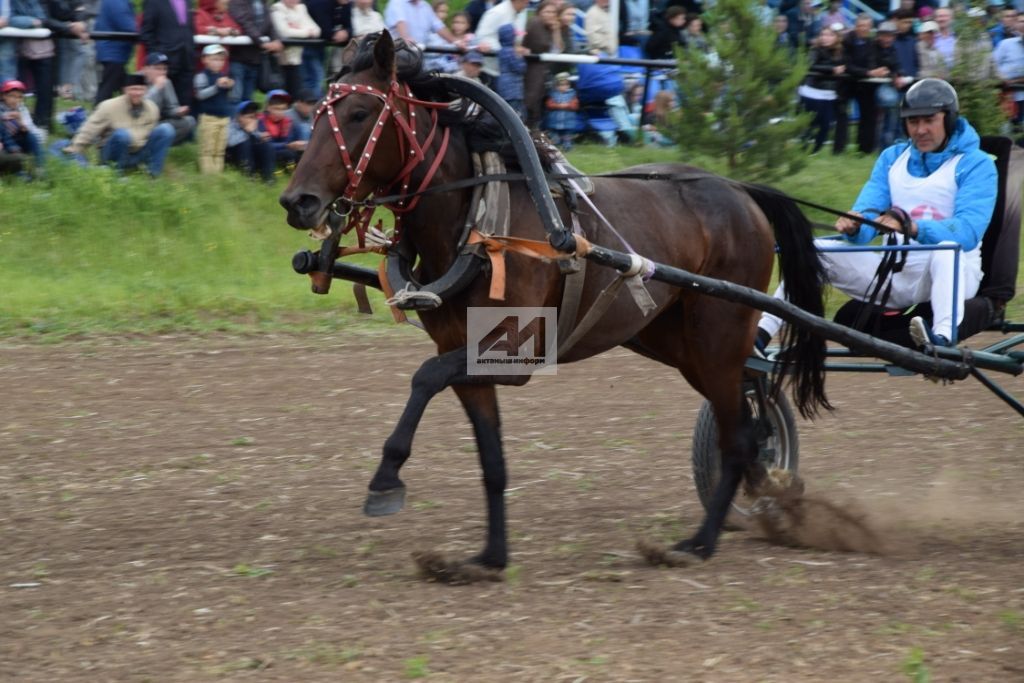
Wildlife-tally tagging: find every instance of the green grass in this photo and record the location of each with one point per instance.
(89, 252)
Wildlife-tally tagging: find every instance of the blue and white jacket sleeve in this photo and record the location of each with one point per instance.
(874, 197)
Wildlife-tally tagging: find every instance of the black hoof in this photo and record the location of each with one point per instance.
(383, 503)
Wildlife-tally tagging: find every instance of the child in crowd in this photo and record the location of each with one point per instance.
(249, 148)
(659, 119)
(449, 63)
(635, 102)
(562, 105)
(19, 134)
(281, 133)
(512, 67)
(301, 113)
(212, 89)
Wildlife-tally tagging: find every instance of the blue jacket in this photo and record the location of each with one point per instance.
(115, 15)
(212, 99)
(977, 187)
(511, 66)
(906, 53)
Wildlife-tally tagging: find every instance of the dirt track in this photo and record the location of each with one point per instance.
(189, 510)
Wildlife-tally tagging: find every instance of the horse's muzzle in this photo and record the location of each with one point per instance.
(305, 211)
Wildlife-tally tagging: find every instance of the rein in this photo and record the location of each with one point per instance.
(360, 212)
(680, 177)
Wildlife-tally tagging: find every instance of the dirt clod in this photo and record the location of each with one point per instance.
(433, 566)
(658, 555)
(786, 516)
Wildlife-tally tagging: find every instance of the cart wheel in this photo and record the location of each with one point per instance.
(779, 448)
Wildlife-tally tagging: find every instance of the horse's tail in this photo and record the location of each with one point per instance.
(805, 278)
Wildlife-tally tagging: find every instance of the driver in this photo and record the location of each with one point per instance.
(938, 188)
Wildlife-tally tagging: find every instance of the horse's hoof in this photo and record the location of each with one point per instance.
(434, 566)
(383, 503)
(659, 556)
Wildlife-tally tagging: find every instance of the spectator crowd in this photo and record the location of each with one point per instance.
(186, 90)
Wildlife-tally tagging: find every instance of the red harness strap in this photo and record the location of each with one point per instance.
(405, 129)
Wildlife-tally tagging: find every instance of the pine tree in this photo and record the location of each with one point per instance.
(738, 101)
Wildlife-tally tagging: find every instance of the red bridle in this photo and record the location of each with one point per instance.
(405, 128)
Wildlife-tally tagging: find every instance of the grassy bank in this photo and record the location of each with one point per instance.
(90, 252)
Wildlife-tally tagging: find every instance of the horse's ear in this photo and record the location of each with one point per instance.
(349, 52)
(384, 57)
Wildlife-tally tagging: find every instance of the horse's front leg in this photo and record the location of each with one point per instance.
(387, 492)
(481, 404)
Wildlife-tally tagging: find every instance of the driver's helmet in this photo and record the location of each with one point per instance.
(930, 96)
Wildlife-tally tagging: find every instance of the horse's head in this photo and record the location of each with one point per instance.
(354, 147)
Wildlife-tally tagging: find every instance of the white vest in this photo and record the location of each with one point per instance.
(930, 198)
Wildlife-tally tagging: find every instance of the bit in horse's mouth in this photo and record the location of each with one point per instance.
(322, 230)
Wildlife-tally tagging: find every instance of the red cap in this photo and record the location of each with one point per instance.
(13, 85)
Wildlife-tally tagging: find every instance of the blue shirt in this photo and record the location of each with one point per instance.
(418, 15)
(1008, 58)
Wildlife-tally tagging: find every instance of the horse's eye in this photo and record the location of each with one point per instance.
(359, 115)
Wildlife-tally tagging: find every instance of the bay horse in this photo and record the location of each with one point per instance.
(710, 226)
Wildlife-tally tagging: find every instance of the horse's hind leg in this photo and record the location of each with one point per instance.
(738, 446)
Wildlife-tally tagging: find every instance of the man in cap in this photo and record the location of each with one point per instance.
(930, 62)
(938, 188)
(161, 93)
(887, 95)
(127, 130)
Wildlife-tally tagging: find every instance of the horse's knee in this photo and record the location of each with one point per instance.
(431, 378)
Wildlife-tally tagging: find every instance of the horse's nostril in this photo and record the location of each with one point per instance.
(304, 204)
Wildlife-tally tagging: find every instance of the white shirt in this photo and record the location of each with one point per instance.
(487, 30)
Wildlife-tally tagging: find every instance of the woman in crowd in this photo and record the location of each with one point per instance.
(543, 34)
(567, 19)
(291, 20)
(818, 91)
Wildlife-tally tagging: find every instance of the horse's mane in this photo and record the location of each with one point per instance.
(482, 131)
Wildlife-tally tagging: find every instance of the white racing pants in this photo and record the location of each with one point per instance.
(926, 276)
